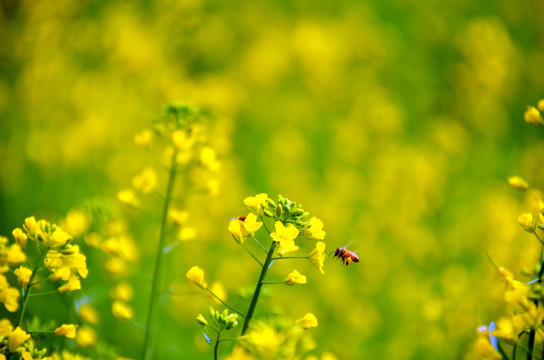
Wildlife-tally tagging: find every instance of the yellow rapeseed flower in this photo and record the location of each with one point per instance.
(20, 237)
(15, 255)
(208, 158)
(308, 321)
(122, 310)
(182, 140)
(73, 284)
(295, 278)
(505, 329)
(318, 256)
(196, 275)
(540, 104)
(68, 330)
(178, 216)
(17, 338)
(254, 203)
(128, 197)
(484, 348)
(315, 229)
(23, 275)
(242, 229)
(186, 233)
(85, 336)
(89, 314)
(5, 327)
(219, 290)
(285, 237)
(527, 222)
(9, 295)
(146, 181)
(76, 222)
(517, 182)
(532, 116)
(530, 319)
(143, 138)
(58, 239)
(123, 291)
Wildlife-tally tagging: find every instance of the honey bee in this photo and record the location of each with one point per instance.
(346, 255)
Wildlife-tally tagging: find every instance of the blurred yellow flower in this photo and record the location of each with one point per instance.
(318, 256)
(516, 294)
(146, 181)
(5, 327)
(20, 237)
(254, 203)
(208, 158)
(143, 138)
(527, 222)
(308, 321)
(8, 295)
(505, 329)
(196, 275)
(85, 336)
(187, 233)
(128, 197)
(23, 275)
(517, 182)
(266, 340)
(315, 229)
(89, 314)
(68, 330)
(73, 284)
(15, 255)
(219, 290)
(540, 104)
(295, 278)
(17, 338)
(178, 216)
(76, 222)
(530, 319)
(122, 310)
(123, 291)
(484, 347)
(182, 140)
(532, 116)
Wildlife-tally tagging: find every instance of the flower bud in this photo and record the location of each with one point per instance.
(532, 116)
(518, 183)
(527, 222)
(201, 320)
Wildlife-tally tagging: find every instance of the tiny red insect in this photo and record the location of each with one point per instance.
(346, 255)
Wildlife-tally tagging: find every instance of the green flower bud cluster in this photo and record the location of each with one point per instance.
(286, 211)
(175, 117)
(219, 320)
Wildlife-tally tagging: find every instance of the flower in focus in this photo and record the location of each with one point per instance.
(73, 284)
(295, 278)
(308, 321)
(317, 256)
(58, 239)
(20, 237)
(242, 229)
(285, 236)
(196, 275)
(68, 330)
(17, 338)
(23, 275)
(315, 229)
(254, 203)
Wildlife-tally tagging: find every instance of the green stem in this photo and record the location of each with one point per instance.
(155, 294)
(24, 300)
(44, 293)
(257, 292)
(216, 346)
(250, 253)
(224, 303)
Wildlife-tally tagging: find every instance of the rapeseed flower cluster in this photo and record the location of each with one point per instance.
(292, 226)
(40, 252)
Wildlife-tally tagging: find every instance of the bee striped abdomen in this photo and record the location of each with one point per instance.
(346, 255)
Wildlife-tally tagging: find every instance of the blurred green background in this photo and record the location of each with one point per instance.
(396, 122)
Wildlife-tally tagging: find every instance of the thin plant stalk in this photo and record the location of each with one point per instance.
(155, 285)
(26, 294)
(216, 345)
(260, 283)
